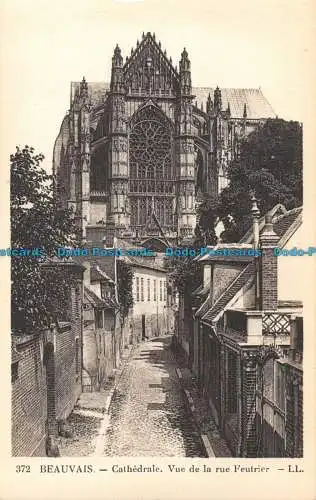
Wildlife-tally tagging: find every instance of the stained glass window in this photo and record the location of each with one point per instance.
(151, 167)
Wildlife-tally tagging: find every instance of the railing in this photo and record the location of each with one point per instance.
(141, 231)
(98, 194)
(252, 323)
(275, 323)
(154, 186)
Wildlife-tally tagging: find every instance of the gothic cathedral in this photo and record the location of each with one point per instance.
(137, 154)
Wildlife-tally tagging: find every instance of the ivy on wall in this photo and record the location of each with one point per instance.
(124, 288)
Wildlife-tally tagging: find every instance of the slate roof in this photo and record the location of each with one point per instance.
(256, 104)
(229, 293)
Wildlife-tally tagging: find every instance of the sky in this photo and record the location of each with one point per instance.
(241, 43)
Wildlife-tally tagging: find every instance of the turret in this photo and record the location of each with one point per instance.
(185, 73)
(117, 71)
(83, 93)
(217, 100)
(209, 104)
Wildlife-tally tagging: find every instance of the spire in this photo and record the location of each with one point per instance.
(217, 99)
(209, 104)
(185, 72)
(245, 111)
(185, 62)
(117, 59)
(83, 88)
(117, 70)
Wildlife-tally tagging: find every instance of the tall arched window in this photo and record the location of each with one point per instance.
(152, 176)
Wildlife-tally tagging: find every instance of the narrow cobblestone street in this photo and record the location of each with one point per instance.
(148, 415)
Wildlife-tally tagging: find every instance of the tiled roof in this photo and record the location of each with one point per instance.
(282, 224)
(15, 355)
(145, 262)
(96, 274)
(106, 264)
(229, 293)
(97, 301)
(256, 104)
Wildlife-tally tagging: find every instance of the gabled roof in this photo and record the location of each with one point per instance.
(105, 264)
(202, 290)
(149, 47)
(257, 105)
(145, 262)
(96, 274)
(284, 225)
(229, 293)
(96, 301)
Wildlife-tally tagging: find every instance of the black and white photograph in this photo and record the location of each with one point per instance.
(157, 246)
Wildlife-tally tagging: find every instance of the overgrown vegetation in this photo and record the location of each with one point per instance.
(125, 288)
(270, 164)
(38, 295)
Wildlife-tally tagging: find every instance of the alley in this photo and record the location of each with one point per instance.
(148, 415)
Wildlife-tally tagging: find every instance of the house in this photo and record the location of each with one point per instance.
(245, 313)
(46, 369)
(99, 314)
(151, 313)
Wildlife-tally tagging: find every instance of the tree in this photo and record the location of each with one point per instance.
(38, 226)
(185, 273)
(125, 288)
(205, 229)
(270, 164)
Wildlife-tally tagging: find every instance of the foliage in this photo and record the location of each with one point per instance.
(270, 163)
(205, 229)
(185, 274)
(38, 294)
(125, 287)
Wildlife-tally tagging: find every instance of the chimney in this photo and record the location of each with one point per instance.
(269, 267)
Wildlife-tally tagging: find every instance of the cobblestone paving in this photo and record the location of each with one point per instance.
(148, 415)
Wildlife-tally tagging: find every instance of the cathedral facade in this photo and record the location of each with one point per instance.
(137, 154)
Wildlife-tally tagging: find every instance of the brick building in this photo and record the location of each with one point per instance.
(46, 370)
(242, 317)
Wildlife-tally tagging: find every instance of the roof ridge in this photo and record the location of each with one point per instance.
(289, 212)
(241, 275)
